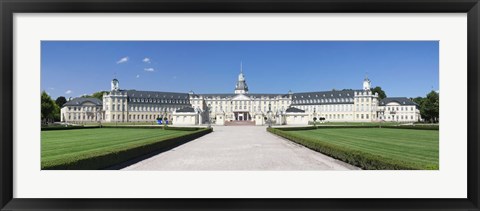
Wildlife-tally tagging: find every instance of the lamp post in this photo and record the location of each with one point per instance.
(269, 113)
(314, 117)
(164, 120)
(209, 118)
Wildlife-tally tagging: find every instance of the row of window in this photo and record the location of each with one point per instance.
(365, 116)
(241, 102)
(363, 107)
(326, 108)
(153, 108)
(74, 116)
(398, 117)
(255, 108)
(83, 108)
(150, 100)
(150, 117)
(362, 99)
(330, 100)
(141, 108)
(396, 108)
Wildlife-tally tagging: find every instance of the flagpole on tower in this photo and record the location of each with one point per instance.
(241, 67)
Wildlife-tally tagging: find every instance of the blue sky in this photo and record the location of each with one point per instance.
(401, 68)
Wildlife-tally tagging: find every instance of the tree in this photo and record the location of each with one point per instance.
(60, 101)
(99, 95)
(430, 107)
(47, 107)
(381, 93)
(56, 112)
(418, 100)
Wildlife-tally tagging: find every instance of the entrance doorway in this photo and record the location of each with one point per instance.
(242, 116)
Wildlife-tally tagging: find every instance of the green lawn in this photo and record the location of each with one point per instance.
(355, 123)
(412, 149)
(64, 146)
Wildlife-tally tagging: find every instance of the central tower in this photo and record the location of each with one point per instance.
(241, 87)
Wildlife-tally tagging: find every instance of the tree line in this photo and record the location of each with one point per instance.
(50, 109)
(429, 106)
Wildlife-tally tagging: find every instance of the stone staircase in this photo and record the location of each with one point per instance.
(240, 123)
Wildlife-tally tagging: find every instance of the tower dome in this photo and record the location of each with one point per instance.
(241, 77)
(241, 87)
(114, 85)
(366, 84)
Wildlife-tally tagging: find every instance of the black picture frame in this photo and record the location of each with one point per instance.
(10, 7)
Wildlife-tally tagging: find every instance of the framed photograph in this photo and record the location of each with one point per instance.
(220, 105)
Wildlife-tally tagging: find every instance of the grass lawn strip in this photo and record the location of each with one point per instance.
(94, 141)
(415, 149)
(70, 146)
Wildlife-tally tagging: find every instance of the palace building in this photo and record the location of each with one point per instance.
(241, 107)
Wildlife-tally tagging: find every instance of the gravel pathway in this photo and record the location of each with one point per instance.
(240, 148)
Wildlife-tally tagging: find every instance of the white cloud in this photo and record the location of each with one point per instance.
(138, 76)
(149, 69)
(123, 60)
(146, 60)
(68, 92)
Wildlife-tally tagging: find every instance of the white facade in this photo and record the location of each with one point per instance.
(187, 118)
(82, 110)
(346, 105)
(297, 118)
(399, 110)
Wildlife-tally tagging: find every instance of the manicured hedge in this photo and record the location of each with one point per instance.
(156, 127)
(415, 127)
(68, 127)
(115, 158)
(418, 127)
(184, 128)
(295, 128)
(320, 127)
(353, 157)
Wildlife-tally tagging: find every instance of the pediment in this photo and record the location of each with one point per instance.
(241, 97)
(393, 103)
(88, 103)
